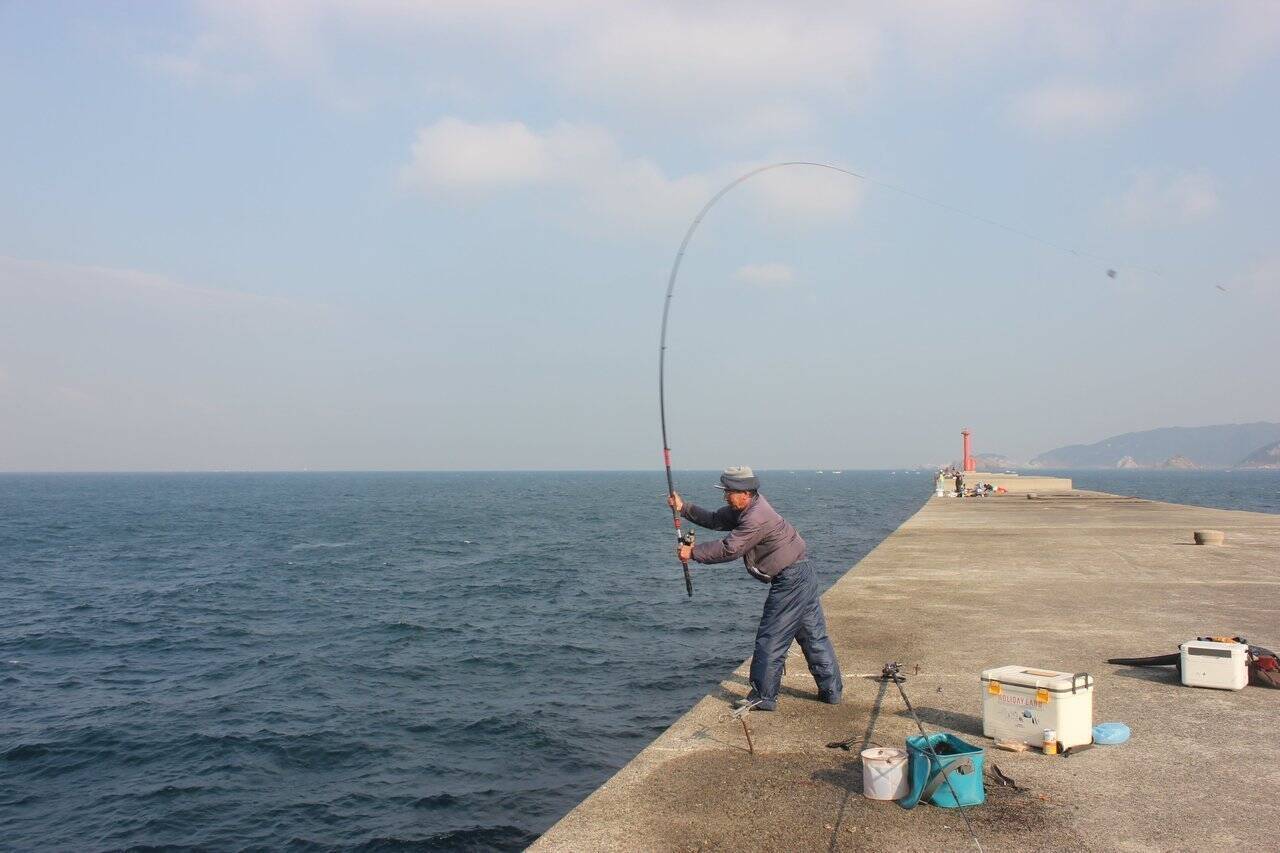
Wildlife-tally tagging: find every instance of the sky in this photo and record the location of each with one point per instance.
(436, 235)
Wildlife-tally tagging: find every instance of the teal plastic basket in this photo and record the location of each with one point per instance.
(962, 764)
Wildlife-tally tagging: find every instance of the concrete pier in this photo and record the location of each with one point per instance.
(1061, 582)
(1015, 484)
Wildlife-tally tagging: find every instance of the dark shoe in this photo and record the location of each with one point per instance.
(756, 702)
(829, 698)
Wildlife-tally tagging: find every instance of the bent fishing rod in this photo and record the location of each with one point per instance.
(688, 538)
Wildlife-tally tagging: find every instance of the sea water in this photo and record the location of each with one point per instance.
(1255, 490)
(361, 660)
(377, 661)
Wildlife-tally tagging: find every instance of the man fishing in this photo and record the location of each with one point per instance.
(774, 554)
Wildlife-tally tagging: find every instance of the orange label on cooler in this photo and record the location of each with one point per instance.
(993, 687)
(1042, 695)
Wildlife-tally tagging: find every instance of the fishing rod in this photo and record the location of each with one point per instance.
(687, 539)
(662, 347)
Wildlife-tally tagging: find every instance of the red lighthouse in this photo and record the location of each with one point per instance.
(969, 463)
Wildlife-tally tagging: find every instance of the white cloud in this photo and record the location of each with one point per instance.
(757, 67)
(456, 155)
(587, 165)
(942, 34)
(582, 161)
(807, 192)
(766, 275)
(637, 191)
(1072, 108)
(667, 50)
(728, 73)
(718, 65)
(1157, 199)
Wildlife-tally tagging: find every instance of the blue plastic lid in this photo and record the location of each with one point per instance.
(1110, 733)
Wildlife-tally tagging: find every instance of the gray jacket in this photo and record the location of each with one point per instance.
(761, 537)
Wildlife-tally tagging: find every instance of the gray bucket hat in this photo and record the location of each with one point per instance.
(739, 479)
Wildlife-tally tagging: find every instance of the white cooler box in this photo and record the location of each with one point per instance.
(1019, 703)
(1206, 663)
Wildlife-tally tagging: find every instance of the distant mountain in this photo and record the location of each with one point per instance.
(1178, 463)
(1263, 457)
(993, 462)
(1222, 446)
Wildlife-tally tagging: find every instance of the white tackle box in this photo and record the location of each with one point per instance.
(1020, 702)
(1206, 663)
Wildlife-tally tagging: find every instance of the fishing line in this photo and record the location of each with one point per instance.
(684, 244)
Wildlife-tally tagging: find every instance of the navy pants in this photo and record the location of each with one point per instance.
(792, 611)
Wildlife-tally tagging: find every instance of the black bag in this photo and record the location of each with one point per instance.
(1264, 668)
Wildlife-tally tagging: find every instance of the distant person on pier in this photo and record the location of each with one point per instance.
(774, 554)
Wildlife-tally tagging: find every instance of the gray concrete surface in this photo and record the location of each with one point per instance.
(1061, 582)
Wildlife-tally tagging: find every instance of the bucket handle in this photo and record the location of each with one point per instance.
(964, 767)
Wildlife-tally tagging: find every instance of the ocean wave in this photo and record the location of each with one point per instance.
(473, 839)
(168, 792)
(437, 801)
(25, 751)
(85, 747)
(405, 627)
(19, 800)
(415, 673)
(662, 683)
(492, 663)
(58, 642)
(514, 731)
(319, 749)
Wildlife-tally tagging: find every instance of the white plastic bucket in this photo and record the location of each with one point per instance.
(884, 773)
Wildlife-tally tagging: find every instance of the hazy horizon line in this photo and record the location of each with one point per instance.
(426, 470)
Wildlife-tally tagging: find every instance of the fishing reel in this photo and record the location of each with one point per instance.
(686, 541)
(892, 671)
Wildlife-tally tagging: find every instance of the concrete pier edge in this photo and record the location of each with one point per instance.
(1061, 582)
